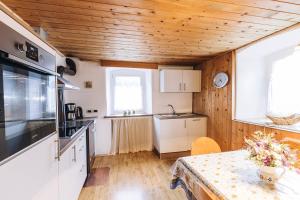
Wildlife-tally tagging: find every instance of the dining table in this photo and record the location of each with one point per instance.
(230, 176)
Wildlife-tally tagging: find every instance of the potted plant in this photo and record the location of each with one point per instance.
(270, 155)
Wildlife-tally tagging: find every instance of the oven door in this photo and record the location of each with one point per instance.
(27, 106)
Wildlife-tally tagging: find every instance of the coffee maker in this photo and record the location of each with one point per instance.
(70, 111)
(79, 113)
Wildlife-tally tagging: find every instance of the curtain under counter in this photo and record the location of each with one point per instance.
(131, 135)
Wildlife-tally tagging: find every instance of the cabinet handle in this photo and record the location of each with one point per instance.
(184, 123)
(179, 86)
(75, 157)
(56, 157)
(184, 86)
(196, 120)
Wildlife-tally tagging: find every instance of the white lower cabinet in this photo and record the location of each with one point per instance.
(72, 169)
(33, 175)
(175, 135)
(196, 127)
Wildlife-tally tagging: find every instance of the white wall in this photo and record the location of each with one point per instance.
(182, 102)
(253, 67)
(95, 98)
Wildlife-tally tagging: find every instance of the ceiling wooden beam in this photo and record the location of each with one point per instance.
(110, 63)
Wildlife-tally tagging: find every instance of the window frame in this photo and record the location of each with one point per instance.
(124, 73)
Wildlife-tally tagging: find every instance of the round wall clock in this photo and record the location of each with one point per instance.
(220, 80)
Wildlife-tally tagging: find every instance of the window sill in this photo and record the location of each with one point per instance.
(127, 116)
(265, 122)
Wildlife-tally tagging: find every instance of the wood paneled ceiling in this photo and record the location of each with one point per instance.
(161, 31)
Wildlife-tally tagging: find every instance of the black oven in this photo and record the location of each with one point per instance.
(27, 93)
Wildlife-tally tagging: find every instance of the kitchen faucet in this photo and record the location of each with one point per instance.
(173, 110)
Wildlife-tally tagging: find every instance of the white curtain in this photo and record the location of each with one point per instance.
(284, 87)
(131, 135)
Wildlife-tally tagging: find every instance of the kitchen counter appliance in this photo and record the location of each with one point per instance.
(70, 111)
(79, 112)
(27, 93)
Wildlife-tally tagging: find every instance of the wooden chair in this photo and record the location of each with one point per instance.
(204, 145)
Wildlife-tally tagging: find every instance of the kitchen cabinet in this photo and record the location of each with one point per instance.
(176, 135)
(173, 80)
(32, 175)
(72, 169)
(191, 80)
(173, 135)
(196, 127)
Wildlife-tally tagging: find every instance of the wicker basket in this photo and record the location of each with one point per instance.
(289, 120)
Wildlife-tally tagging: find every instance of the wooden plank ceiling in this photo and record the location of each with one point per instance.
(160, 31)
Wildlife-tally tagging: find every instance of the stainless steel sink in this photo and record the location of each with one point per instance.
(175, 116)
(186, 114)
(168, 115)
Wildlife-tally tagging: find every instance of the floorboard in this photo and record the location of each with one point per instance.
(134, 176)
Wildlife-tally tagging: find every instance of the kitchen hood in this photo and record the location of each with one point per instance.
(65, 84)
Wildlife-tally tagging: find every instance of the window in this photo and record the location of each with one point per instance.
(127, 91)
(267, 80)
(284, 86)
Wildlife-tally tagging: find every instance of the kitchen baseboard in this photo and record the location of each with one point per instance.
(171, 155)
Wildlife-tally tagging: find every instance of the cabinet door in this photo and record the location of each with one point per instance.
(191, 81)
(171, 80)
(173, 135)
(72, 169)
(196, 127)
(33, 175)
(82, 168)
(67, 169)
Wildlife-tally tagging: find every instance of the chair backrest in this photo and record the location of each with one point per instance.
(205, 145)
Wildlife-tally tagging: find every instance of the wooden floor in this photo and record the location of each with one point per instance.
(135, 176)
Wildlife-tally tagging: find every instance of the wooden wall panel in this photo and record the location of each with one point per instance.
(217, 105)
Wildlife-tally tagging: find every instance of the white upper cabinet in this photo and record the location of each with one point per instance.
(171, 80)
(191, 80)
(174, 80)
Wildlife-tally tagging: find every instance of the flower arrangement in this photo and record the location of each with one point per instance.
(265, 150)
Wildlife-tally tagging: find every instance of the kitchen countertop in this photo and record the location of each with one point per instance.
(122, 116)
(65, 143)
(87, 118)
(179, 116)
